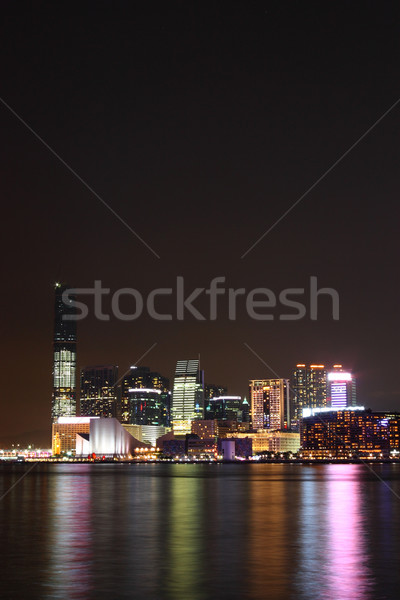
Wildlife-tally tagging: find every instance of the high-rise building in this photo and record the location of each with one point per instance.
(64, 355)
(98, 391)
(316, 386)
(226, 408)
(142, 378)
(187, 395)
(341, 388)
(212, 391)
(148, 406)
(309, 389)
(270, 404)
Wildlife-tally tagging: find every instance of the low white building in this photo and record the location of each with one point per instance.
(107, 437)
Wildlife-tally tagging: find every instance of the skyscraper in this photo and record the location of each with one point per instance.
(225, 408)
(211, 391)
(309, 387)
(148, 406)
(269, 404)
(98, 391)
(341, 388)
(64, 356)
(139, 378)
(187, 395)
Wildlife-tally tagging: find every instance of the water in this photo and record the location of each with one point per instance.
(199, 532)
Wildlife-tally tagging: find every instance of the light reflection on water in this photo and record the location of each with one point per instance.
(198, 532)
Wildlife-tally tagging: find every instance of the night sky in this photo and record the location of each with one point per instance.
(200, 124)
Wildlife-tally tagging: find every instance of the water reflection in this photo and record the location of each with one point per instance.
(201, 532)
(185, 552)
(333, 547)
(347, 574)
(70, 535)
(271, 528)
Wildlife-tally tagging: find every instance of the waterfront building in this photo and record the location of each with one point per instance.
(98, 391)
(64, 431)
(148, 434)
(107, 438)
(265, 440)
(344, 433)
(64, 355)
(187, 396)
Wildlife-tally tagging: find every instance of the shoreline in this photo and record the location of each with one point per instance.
(302, 461)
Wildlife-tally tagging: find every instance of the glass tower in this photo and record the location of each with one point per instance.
(139, 378)
(64, 356)
(187, 395)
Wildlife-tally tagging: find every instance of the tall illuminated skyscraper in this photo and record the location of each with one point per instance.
(269, 404)
(187, 396)
(309, 387)
(341, 388)
(64, 356)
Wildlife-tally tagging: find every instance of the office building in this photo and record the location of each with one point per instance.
(309, 386)
(269, 404)
(212, 391)
(226, 408)
(98, 391)
(187, 396)
(341, 388)
(64, 355)
(142, 378)
(148, 406)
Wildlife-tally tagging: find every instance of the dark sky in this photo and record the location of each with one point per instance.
(200, 124)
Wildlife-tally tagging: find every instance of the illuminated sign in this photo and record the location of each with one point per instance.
(74, 420)
(310, 412)
(339, 376)
(144, 391)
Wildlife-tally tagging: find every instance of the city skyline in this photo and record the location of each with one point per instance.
(119, 395)
(207, 172)
(200, 314)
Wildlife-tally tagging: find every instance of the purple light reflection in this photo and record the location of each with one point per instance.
(346, 574)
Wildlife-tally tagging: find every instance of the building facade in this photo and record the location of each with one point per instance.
(98, 391)
(341, 388)
(345, 433)
(148, 406)
(64, 355)
(187, 396)
(309, 389)
(269, 404)
(64, 431)
(142, 378)
(225, 408)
